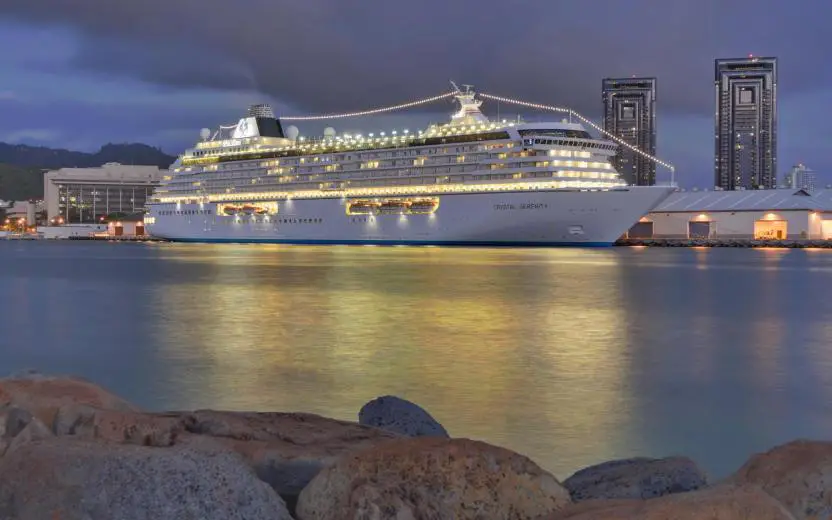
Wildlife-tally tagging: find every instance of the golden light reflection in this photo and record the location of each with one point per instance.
(326, 329)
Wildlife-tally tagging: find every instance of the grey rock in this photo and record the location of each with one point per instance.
(34, 430)
(636, 478)
(72, 419)
(16, 420)
(288, 477)
(79, 479)
(400, 416)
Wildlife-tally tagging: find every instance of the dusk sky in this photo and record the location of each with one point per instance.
(79, 73)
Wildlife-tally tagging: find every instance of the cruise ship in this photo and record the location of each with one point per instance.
(469, 181)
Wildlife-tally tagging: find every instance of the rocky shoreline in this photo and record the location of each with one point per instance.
(72, 450)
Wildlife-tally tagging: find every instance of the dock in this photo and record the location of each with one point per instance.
(116, 238)
(725, 242)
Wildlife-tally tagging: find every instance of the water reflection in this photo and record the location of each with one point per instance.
(569, 356)
(469, 333)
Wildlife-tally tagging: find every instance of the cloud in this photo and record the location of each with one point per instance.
(38, 135)
(7, 95)
(332, 55)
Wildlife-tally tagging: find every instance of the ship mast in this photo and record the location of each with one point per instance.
(469, 107)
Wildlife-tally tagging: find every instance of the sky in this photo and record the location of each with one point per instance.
(80, 73)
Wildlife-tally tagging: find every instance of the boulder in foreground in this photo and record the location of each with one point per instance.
(400, 416)
(286, 450)
(636, 478)
(71, 479)
(42, 395)
(798, 474)
(429, 477)
(718, 503)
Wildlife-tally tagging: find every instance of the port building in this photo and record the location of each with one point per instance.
(88, 195)
(780, 214)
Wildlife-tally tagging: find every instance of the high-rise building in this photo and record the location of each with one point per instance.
(630, 114)
(800, 178)
(745, 129)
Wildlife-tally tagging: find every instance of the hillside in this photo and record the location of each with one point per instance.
(20, 182)
(42, 157)
(21, 166)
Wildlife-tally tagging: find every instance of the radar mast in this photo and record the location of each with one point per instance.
(469, 107)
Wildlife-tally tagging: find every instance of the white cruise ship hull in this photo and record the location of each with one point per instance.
(528, 218)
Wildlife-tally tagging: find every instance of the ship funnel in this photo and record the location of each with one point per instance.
(261, 110)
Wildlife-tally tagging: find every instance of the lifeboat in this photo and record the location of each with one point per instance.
(423, 206)
(260, 211)
(393, 206)
(248, 209)
(362, 207)
(230, 210)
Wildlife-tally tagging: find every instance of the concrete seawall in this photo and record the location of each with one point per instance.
(724, 242)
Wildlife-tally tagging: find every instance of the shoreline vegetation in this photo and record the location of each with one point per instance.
(72, 450)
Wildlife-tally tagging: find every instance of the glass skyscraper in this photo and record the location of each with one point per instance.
(630, 114)
(745, 128)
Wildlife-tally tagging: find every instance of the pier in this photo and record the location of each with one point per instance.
(724, 242)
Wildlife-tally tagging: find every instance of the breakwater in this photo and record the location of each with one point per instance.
(724, 242)
(71, 450)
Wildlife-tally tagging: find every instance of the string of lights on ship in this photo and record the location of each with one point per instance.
(440, 136)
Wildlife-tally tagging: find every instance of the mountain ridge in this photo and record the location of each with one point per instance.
(21, 165)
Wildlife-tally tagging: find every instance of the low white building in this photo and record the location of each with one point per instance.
(86, 195)
(782, 214)
(71, 230)
(26, 210)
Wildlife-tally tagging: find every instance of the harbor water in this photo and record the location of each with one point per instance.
(570, 356)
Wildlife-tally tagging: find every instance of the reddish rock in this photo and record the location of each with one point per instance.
(431, 477)
(43, 395)
(144, 429)
(798, 474)
(718, 503)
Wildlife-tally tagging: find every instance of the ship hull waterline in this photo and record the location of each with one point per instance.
(554, 218)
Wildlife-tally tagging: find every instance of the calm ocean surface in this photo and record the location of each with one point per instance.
(569, 356)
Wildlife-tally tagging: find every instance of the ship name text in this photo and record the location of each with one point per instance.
(527, 205)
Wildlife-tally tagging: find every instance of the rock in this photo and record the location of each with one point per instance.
(16, 420)
(13, 421)
(400, 416)
(34, 430)
(43, 395)
(636, 478)
(798, 474)
(88, 480)
(718, 503)
(430, 477)
(285, 449)
(144, 429)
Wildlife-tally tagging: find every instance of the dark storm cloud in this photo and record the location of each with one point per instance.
(324, 55)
